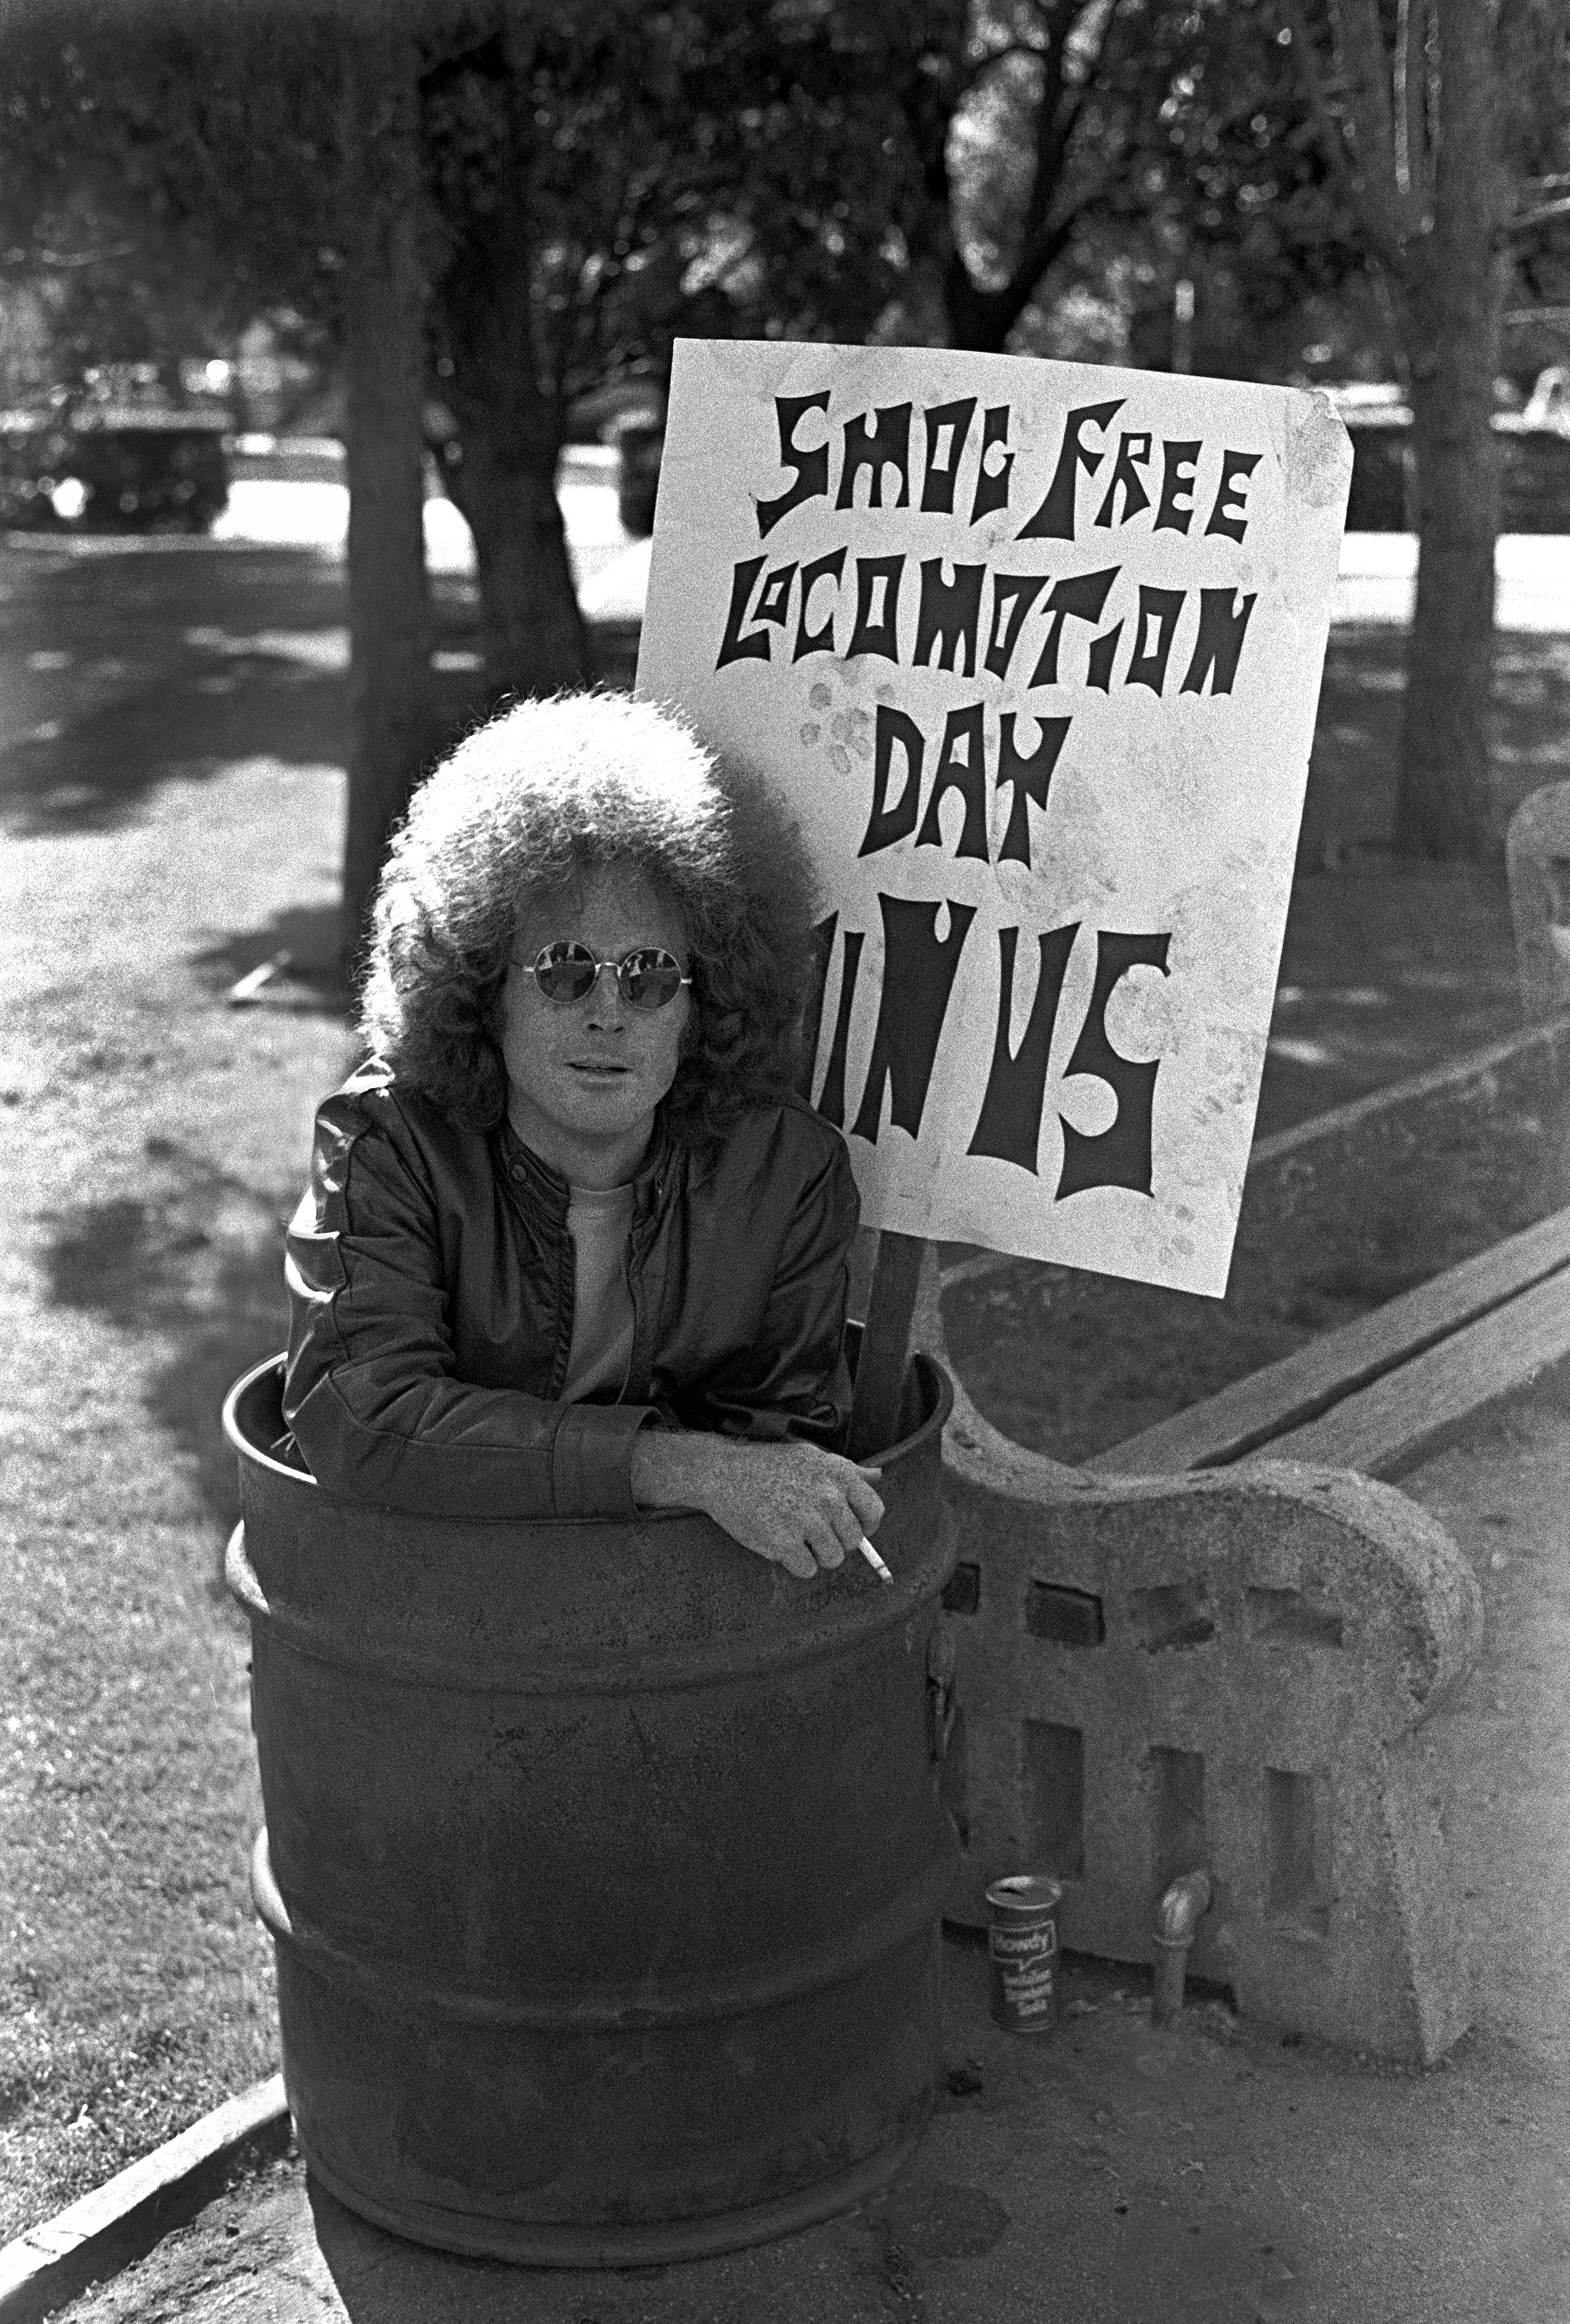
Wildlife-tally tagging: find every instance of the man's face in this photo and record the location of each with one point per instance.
(585, 1076)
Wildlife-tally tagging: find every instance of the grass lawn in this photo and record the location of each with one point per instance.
(151, 1143)
(171, 739)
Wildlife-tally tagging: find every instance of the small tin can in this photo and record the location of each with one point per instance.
(1022, 1946)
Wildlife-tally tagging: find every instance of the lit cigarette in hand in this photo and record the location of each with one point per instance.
(873, 1559)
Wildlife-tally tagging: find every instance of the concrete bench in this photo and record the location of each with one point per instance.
(1232, 1671)
(1221, 1643)
(1537, 857)
(1384, 1392)
(1189, 1652)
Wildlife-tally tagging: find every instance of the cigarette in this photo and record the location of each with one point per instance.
(873, 1559)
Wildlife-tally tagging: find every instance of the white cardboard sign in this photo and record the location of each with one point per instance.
(1033, 651)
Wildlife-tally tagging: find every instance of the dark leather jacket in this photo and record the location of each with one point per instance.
(430, 1275)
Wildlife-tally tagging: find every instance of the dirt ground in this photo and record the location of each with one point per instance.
(171, 734)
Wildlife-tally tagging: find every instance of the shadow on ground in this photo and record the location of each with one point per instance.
(867, 2263)
(1352, 782)
(128, 671)
(96, 774)
(1368, 996)
(192, 1271)
(304, 940)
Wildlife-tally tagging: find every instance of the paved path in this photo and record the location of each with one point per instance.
(1117, 2174)
(1378, 569)
(1379, 572)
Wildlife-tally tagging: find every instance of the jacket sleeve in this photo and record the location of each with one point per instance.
(370, 1391)
(794, 1381)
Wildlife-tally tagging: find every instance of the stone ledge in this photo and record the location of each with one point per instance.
(122, 2220)
(1229, 1671)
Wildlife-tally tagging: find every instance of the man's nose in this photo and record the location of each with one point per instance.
(607, 1004)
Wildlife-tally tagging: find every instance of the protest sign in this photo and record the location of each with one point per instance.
(1034, 651)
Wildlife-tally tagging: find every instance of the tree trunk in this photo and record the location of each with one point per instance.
(978, 319)
(1443, 801)
(532, 633)
(509, 433)
(384, 362)
(1451, 298)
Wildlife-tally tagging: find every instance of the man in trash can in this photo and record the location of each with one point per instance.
(571, 1246)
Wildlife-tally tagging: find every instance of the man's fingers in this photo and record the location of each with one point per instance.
(866, 1504)
(848, 1510)
(844, 1529)
(829, 1533)
(821, 1509)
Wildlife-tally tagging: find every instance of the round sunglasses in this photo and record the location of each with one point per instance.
(649, 977)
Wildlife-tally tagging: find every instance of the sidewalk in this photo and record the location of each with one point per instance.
(1115, 2174)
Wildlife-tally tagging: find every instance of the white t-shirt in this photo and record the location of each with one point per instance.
(600, 1222)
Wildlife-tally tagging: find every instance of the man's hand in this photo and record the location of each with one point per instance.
(795, 1504)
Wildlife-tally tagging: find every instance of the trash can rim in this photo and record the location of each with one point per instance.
(249, 1450)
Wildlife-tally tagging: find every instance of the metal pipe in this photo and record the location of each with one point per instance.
(1176, 1917)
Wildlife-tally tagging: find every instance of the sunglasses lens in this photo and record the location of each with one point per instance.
(650, 979)
(564, 972)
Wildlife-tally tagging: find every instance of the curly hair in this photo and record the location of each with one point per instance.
(546, 795)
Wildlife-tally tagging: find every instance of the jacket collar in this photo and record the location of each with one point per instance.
(542, 1191)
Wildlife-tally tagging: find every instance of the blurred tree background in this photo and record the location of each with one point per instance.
(474, 229)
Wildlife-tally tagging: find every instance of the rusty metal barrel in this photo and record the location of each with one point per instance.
(603, 1861)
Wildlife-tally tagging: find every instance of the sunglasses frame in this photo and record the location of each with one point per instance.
(586, 959)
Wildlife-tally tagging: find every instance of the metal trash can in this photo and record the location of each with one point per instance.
(603, 1861)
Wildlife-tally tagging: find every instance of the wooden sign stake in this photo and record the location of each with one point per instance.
(885, 1344)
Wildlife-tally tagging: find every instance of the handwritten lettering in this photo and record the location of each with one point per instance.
(940, 621)
(919, 974)
(865, 459)
(1045, 611)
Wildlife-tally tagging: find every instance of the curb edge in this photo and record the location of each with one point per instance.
(122, 2220)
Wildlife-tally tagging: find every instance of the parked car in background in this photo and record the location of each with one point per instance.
(639, 440)
(112, 469)
(628, 413)
(1534, 463)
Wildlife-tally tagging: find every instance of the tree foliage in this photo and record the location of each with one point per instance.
(595, 178)
(163, 174)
